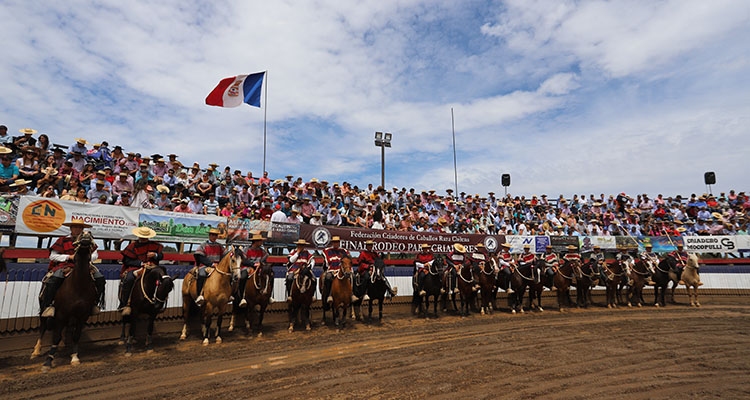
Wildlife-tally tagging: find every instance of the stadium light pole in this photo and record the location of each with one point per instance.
(382, 140)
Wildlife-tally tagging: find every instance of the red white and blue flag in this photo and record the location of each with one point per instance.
(232, 92)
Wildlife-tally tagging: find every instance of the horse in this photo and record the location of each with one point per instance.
(258, 292)
(663, 274)
(341, 291)
(149, 298)
(376, 289)
(563, 280)
(487, 289)
(359, 290)
(523, 276)
(432, 286)
(639, 273)
(584, 282)
(449, 287)
(217, 292)
(302, 292)
(73, 303)
(613, 274)
(691, 279)
(467, 287)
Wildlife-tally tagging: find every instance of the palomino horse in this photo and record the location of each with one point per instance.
(487, 289)
(217, 292)
(73, 303)
(691, 279)
(341, 291)
(258, 292)
(664, 273)
(149, 298)
(523, 277)
(376, 289)
(432, 286)
(583, 283)
(613, 274)
(563, 280)
(639, 274)
(302, 292)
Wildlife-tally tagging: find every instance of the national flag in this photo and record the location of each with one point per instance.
(231, 92)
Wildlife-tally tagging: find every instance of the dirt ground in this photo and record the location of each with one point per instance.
(647, 353)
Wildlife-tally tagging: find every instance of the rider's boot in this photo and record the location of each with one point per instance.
(199, 289)
(99, 282)
(48, 296)
(127, 287)
(420, 283)
(241, 293)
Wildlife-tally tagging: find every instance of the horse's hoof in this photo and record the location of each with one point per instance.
(205, 342)
(183, 337)
(639, 305)
(128, 354)
(45, 368)
(308, 328)
(609, 305)
(511, 311)
(522, 311)
(231, 328)
(481, 312)
(630, 305)
(218, 340)
(540, 309)
(656, 305)
(120, 342)
(697, 304)
(150, 351)
(260, 334)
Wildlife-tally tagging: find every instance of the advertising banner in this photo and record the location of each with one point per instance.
(711, 244)
(181, 227)
(238, 230)
(45, 216)
(8, 212)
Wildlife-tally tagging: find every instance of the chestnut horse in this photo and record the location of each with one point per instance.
(302, 293)
(258, 292)
(216, 291)
(152, 287)
(691, 279)
(73, 303)
(563, 280)
(467, 287)
(341, 291)
(487, 289)
(639, 274)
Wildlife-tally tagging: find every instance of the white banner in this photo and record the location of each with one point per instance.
(711, 244)
(45, 216)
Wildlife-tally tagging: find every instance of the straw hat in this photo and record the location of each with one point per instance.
(459, 248)
(506, 245)
(336, 239)
(527, 246)
(717, 215)
(19, 182)
(77, 222)
(214, 231)
(571, 247)
(83, 141)
(257, 237)
(301, 242)
(27, 131)
(5, 150)
(144, 232)
(51, 171)
(681, 229)
(369, 243)
(479, 245)
(425, 246)
(162, 189)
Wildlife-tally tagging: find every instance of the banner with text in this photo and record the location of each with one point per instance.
(45, 216)
(181, 227)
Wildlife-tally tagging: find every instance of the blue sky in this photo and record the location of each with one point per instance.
(566, 96)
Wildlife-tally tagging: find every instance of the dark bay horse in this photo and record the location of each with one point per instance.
(341, 291)
(563, 280)
(536, 288)
(302, 293)
(449, 282)
(432, 285)
(613, 274)
(639, 274)
(258, 292)
(73, 303)
(665, 272)
(487, 289)
(149, 298)
(523, 277)
(467, 287)
(589, 272)
(217, 291)
(376, 289)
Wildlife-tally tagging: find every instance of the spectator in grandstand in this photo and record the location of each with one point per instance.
(211, 205)
(8, 170)
(196, 204)
(96, 193)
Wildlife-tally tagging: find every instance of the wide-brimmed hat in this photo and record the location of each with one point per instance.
(459, 248)
(506, 245)
(27, 131)
(717, 215)
(20, 182)
(5, 150)
(479, 245)
(77, 222)
(336, 239)
(257, 237)
(369, 242)
(527, 246)
(425, 246)
(50, 171)
(83, 141)
(144, 232)
(301, 242)
(214, 231)
(571, 247)
(162, 189)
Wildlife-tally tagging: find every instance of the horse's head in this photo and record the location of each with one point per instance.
(378, 269)
(84, 240)
(692, 261)
(233, 257)
(346, 264)
(438, 265)
(164, 286)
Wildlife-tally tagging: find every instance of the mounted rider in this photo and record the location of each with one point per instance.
(422, 264)
(298, 259)
(650, 259)
(627, 261)
(255, 258)
(527, 258)
(332, 256)
(141, 253)
(61, 261)
(507, 265)
(551, 261)
(457, 258)
(366, 261)
(209, 254)
(598, 259)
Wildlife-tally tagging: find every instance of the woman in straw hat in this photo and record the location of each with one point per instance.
(61, 258)
(208, 254)
(140, 253)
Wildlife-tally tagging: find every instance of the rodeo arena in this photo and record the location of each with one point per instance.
(163, 279)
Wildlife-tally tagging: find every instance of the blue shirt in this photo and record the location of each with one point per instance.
(8, 172)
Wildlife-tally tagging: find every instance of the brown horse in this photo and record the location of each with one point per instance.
(302, 293)
(341, 291)
(73, 303)
(563, 280)
(467, 286)
(152, 287)
(613, 274)
(584, 282)
(217, 291)
(487, 288)
(691, 279)
(638, 276)
(258, 292)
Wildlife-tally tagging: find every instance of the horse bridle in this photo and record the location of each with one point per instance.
(155, 300)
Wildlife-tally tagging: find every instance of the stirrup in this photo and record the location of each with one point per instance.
(442, 291)
(126, 311)
(49, 312)
(243, 303)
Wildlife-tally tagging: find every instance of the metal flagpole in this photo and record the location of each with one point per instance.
(265, 115)
(455, 168)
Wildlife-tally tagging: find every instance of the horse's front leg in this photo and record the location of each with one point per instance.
(150, 333)
(206, 329)
(261, 313)
(129, 338)
(217, 332)
(77, 329)
(56, 336)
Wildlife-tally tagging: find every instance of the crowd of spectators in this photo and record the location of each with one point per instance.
(93, 173)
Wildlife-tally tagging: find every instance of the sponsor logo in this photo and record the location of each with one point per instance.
(43, 216)
(491, 243)
(321, 237)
